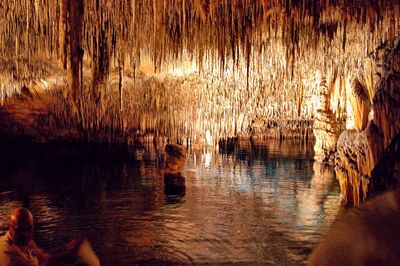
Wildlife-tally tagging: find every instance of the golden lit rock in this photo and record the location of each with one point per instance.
(175, 158)
(360, 150)
(326, 129)
(353, 166)
(360, 104)
(123, 67)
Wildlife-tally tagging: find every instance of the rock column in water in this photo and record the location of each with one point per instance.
(326, 129)
(175, 159)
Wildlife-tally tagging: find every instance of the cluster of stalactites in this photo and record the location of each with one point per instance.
(209, 30)
(367, 148)
(270, 49)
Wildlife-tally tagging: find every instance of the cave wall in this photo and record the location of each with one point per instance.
(178, 107)
(255, 63)
(376, 113)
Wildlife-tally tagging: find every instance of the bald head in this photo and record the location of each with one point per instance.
(20, 226)
(21, 216)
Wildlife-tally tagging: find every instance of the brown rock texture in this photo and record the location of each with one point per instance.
(353, 166)
(361, 149)
(386, 174)
(326, 129)
(176, 156)
(27, 114)
(326, 132)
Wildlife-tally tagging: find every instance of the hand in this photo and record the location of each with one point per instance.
(74, 245)
(67, 256)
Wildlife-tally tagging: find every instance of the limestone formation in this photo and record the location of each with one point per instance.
(353, 166)
(360, 104)
(175, 158)
(264, 128)
(361, 149)
(28, 114)
(252, 59)
(326, 128)
(326, 132)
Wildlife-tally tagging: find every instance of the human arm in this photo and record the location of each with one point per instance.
(66, 256)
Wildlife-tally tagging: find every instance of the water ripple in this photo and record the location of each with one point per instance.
(255, 206)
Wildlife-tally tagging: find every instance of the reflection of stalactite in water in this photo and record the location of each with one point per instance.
(322, 179)
(310, 200)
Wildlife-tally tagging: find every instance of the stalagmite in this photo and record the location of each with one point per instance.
(377, 123)
(175, 159)
(75, 28)
(231, 63)
(326, 128)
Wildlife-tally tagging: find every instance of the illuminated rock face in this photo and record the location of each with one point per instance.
(26, 114)
(175, 159)
(326, 129)
(361, 149)
(326, 132)
(353, 166)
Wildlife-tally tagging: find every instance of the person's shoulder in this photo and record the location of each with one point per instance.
(4, 251)
(4, 242)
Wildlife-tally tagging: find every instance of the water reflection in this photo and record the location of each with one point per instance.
(262, 204)
(207, 158)
(174, 188)
(311, 203)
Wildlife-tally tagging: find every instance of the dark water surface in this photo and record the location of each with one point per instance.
(264, 205)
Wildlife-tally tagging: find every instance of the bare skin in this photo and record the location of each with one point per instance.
(21, 225)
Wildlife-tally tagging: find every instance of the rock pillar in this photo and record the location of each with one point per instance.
(175, 159)
(326, 129)
(375, 106)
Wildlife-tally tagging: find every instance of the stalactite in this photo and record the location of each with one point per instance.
(63, 37)
(75, 27)
(244, 41)
(121, 94)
